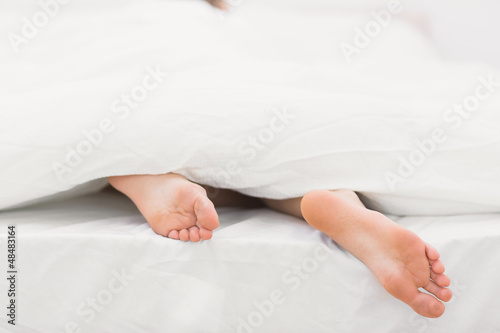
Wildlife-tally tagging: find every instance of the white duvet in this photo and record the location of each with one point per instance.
(156, 86)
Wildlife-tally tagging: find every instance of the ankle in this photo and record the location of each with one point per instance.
(129, 185)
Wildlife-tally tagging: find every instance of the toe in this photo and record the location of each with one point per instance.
(440, 279)
(194, 234)
(446, 295)
(205, 234)
(427, 305)
(422, 303)
(437, 266)
(431, 252)
(441, 293)
(206, 213)
(184, 235)
(174, 234)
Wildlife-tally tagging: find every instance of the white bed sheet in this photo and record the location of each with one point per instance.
(70, 252)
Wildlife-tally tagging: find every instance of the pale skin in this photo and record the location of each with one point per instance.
(402, 262)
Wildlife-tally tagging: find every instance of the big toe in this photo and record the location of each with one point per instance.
(206, 214)
(427, 305)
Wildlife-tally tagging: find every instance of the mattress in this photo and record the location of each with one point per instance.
(92, 264)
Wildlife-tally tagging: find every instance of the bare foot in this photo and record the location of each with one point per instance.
(400, 260)
(173, 206)
(221, 4)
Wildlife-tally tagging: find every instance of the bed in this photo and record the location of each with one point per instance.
(92, 264)
(87, 261)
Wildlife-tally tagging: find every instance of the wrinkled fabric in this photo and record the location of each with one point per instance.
(150, 87)
(99, 250)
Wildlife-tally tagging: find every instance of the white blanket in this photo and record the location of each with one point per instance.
(159, 86)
